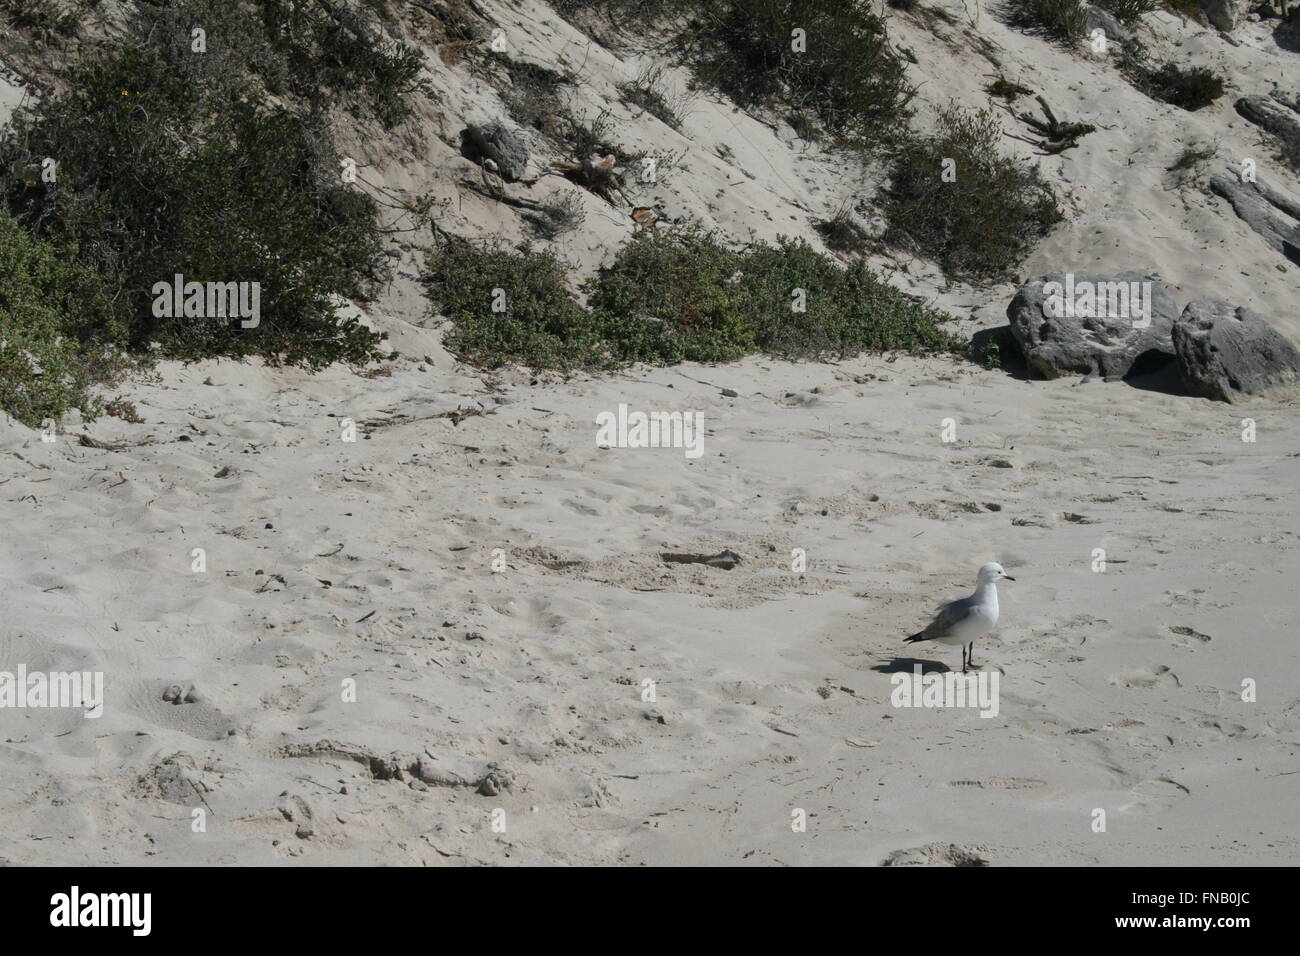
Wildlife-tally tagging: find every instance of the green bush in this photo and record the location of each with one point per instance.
(172, 161)
(327, 50)
(683, 282)
(848, 76)
(1063, 20)
(674, 296)
(48, 20)
(536, 322)
(57, 337)
(983, 223)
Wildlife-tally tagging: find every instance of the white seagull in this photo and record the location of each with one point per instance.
(963, 620)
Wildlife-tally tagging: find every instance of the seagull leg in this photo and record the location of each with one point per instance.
(970, 655)
(963, 658)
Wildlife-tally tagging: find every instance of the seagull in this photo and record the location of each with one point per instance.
(963, 620)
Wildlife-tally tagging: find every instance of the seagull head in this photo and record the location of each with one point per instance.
(993, 572)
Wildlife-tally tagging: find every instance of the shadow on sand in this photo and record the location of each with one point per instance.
(907, 665)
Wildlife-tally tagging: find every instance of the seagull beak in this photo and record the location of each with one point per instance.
(1008, 577)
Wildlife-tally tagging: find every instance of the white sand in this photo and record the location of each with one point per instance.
(1120, 690)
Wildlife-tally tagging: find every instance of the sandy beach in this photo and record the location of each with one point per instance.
(420, 616)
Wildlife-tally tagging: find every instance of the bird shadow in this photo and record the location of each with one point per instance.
(907, 665)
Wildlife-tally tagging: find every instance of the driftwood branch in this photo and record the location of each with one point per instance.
(1057, 136)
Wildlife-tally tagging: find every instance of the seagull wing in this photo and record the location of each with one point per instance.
(945, 620)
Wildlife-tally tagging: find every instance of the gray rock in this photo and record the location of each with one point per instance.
(1106, 336)
(1225, 14)
(1277, 117)
(1254, 203)
(495, 142)
(1108, 23)
(1226, 352)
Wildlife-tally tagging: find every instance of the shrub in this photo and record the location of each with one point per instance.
(674, 296)
(328, 51)
(683, 282)
(174, 162)
(984, 222)
(1064, 20)
(57, 338)
(46, 19)
(848, 76)
(1190, 89)
(534, 98)
(557, 217)
(538, 324)
(847, 310)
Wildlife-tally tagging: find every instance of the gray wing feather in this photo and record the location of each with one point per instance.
(946, 618)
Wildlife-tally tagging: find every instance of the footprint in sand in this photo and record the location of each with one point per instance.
(1156, 795)
(1189, 637)
(937, 854)
(1158, 675)
(1000, 783)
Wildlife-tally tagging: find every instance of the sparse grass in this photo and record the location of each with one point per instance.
(557, 217)
(841, 233)
(1129, 11)
(672, 296)
(535, 95)
(586, 137)
(1063, 20)
(1192, 157)
(650, 92)
(980, 225)
(1190, 89)
(1007, 90)
(1190, 162)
